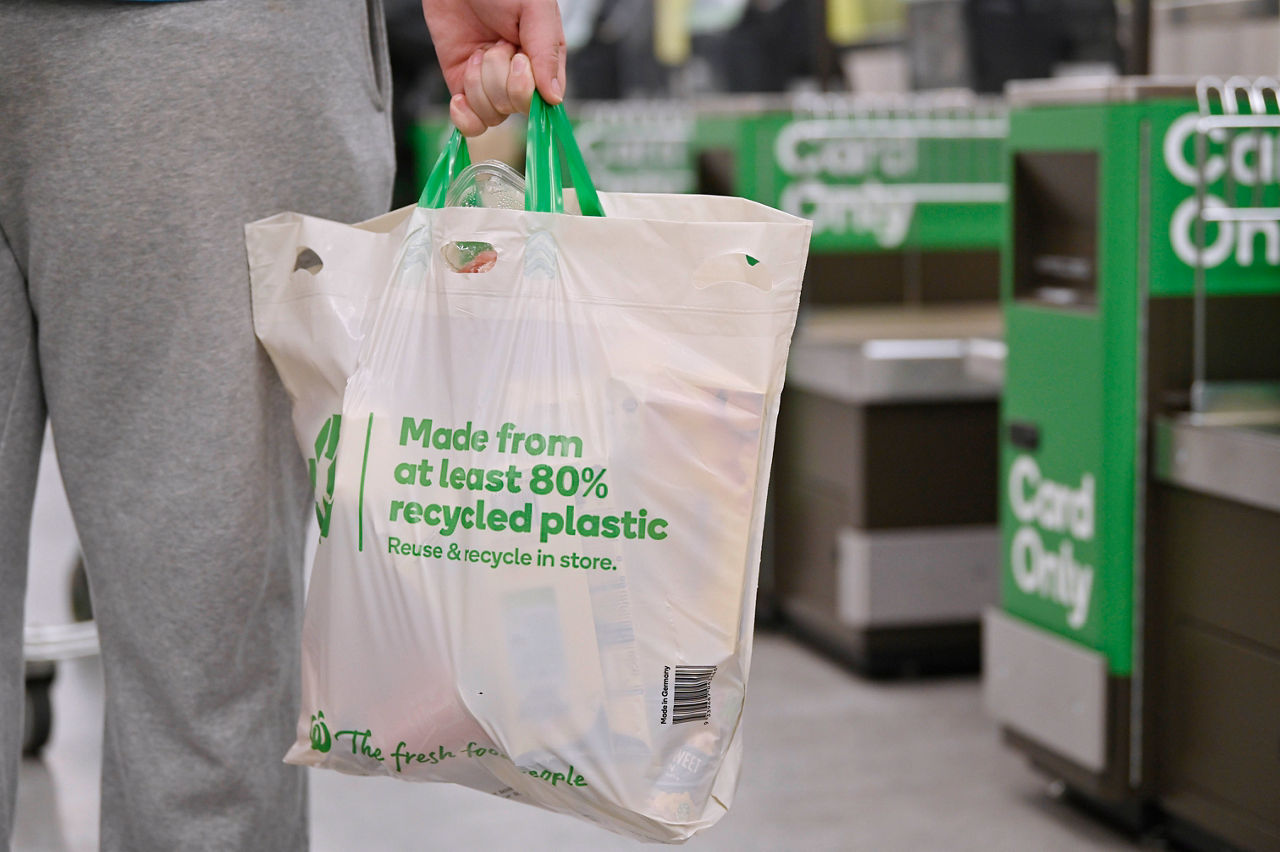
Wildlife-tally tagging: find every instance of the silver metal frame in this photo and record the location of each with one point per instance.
(915, 577)
(1046, 687)
(1137, 689)
(892, 370)
(1233, 456)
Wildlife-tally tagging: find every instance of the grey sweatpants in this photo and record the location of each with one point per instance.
(136, 139)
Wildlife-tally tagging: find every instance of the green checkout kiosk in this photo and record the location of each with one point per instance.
(1135, 654)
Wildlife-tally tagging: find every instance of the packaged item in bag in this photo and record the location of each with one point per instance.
(537, 577)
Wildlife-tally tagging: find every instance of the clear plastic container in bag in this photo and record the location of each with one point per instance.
(491, 183)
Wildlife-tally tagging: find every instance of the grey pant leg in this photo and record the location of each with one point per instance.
(142, 138)
(22, 418)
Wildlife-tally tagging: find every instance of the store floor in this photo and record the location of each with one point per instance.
(832, 763)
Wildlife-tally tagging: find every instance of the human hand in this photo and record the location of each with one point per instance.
(494, 53)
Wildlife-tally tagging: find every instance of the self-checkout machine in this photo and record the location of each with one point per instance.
(886, 549)
(1099, 291)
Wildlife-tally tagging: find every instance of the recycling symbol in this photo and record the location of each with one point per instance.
(323, 469)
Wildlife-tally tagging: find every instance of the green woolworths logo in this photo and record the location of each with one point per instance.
(326, 450)
(320, 739)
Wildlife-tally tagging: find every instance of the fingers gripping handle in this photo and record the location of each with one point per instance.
(549, 132)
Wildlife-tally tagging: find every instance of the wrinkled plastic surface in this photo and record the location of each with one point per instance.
(587, 649)
(310, 316)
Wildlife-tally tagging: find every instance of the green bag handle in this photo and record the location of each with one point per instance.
(549, 131)
(452, 160)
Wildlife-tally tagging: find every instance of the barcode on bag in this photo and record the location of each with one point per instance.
(691, 697)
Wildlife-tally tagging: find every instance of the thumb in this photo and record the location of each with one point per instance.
(542, 40)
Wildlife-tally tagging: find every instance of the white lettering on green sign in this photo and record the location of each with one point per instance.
(882, 210)
(1042, 505)
(847, 149)
(1253, 160)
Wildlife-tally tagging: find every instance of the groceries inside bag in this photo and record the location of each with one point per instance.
(542, 511)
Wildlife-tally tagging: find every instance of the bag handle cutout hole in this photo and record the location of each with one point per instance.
(470, 256)
(733, 268)
(309, 261)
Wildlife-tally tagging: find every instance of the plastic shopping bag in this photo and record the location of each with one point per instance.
(544, 504)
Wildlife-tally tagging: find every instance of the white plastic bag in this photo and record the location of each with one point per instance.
(542, 530)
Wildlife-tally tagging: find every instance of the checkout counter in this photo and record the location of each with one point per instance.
(1135, 653)
(886, 543)
(1214, 672)
(885, 546)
